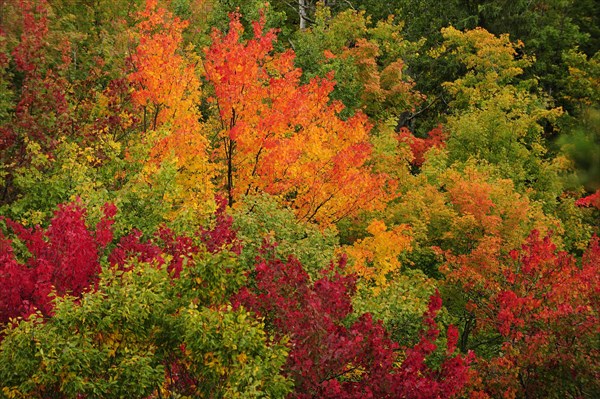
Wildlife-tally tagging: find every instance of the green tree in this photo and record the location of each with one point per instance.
(367, 59)
(497, 118)
(136, 335)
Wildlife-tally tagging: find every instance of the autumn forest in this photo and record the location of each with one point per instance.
(336, 199)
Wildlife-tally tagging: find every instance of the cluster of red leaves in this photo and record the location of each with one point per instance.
(166, 244)
(222, 234)
(329, 359)
(63, 257)
(592, 200)
(435, 138)
(544, 307)
(416, 379)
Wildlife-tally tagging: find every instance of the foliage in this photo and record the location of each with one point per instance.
(592, 200)
(331, 360)
(580, 142)
(496, 120)
(167, 88)
(283, 138)
(121, 340)
(582, 83)
(531, 301)
(104, 345)
(418, 146)
(261, 218)
(374, 258)
(136, 331)
(460, 207)
(232, 357)
(366, 59)
(399, 305)
(290, 202)
(548, 28)
(62, 259)
(40, 111)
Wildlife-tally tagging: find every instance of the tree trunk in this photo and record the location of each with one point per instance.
(302, 10)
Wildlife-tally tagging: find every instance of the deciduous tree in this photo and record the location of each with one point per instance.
(167, 88)
(284, 138)
(63, 258)
(539, 311)
(331, 360)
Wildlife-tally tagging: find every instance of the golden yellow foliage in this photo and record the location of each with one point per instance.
(374, 258)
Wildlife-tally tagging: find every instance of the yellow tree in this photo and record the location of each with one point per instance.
(376, 257)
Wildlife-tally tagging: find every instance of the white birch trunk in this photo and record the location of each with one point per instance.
(302, 9)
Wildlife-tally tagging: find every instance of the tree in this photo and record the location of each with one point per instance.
(538, 310)
(40, 111)
(150, 319)
(496, 118)
(63, 259)
(283, 138)
(367, 58)
(548, 28)
(331, 360)
(167, 89)
(134, 336)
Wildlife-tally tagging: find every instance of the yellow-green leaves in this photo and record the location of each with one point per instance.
(232, 356)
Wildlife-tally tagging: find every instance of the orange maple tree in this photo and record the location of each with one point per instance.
(167, 89)
(284, 138)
